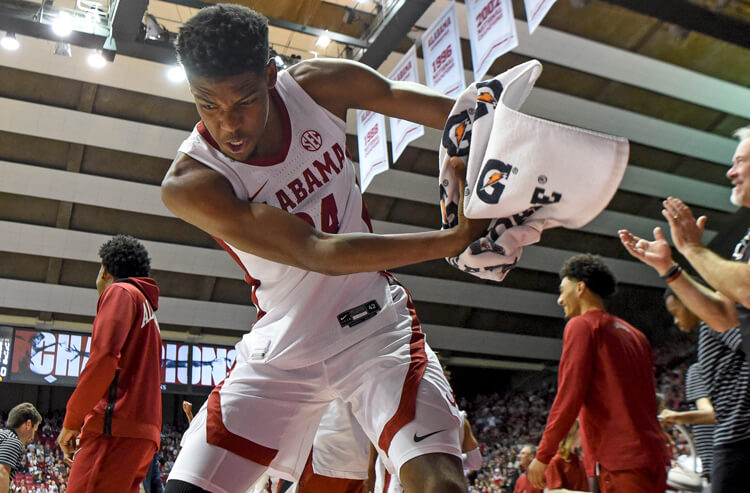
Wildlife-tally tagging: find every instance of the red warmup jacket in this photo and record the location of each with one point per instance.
(606, 374)
(119, 390)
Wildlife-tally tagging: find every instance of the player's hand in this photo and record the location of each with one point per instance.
(468, 229)
(656, 254)
(187, 407)
(687, 232)
(67, 442)
(535, 473)
(669, 417)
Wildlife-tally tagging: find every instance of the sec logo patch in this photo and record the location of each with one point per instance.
(311, 140)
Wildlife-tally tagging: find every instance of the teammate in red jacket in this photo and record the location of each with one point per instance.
(117, 402)
(606, 375)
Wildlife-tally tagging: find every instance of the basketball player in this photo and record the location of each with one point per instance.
(606, 378)
(266, 173)
(116, 405)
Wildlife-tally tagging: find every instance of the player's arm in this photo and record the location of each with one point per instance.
(115, 315)
(369, 483)
(574, 377)
(4, 478)
(470, 441)
(205, 199)
(471, 458)
(704, 415)
(339, 85)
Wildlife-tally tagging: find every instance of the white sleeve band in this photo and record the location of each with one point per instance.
(472, 460)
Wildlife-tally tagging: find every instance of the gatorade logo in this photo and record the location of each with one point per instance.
(492, 181)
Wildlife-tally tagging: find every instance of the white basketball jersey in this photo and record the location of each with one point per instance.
(303, 317)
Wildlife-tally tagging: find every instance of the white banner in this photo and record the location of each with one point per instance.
(492, 32)
(373, 148)
(441, 49)
(535, 12)
(403, 131)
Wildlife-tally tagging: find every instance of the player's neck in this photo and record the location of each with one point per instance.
(590, 302)
(273, 135)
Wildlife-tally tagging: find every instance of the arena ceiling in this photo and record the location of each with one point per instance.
(82, 152)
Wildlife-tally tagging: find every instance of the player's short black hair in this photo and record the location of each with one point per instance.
(124, 256)
(224, 40)
(22, 413)
(592, 271)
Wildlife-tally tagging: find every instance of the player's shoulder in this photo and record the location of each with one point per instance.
(331, 82)
(310, 73)
(187, 175)
(119, 290)
(184, 163)
(584, 322)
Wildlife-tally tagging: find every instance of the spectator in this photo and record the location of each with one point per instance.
(118, 396)
(701, 414)
(723, 308)
(523, 485)
(606, 375)
(20, 428)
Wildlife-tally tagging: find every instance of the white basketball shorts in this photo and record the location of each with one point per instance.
(264, 417)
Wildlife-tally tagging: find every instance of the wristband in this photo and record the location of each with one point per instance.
(673, 273)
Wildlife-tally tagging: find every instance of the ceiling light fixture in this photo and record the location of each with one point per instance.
(62, 48)
(97, 60)
(63, 24)
(9, 41)
(324, 40)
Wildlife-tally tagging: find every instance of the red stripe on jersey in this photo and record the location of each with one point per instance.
(287, 129)
(408, 403)
(254, 283)
(386, 481)
(217, 434)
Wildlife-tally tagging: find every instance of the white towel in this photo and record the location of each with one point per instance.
(525, 173)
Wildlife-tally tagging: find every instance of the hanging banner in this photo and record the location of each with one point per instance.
(441, 48)
(6, 342)
(373, 148)
(535, 12)
(492, 32)
(403, 131)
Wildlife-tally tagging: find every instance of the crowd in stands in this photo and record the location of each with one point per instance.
(501, 423)
(43, 469)
(170, 445)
